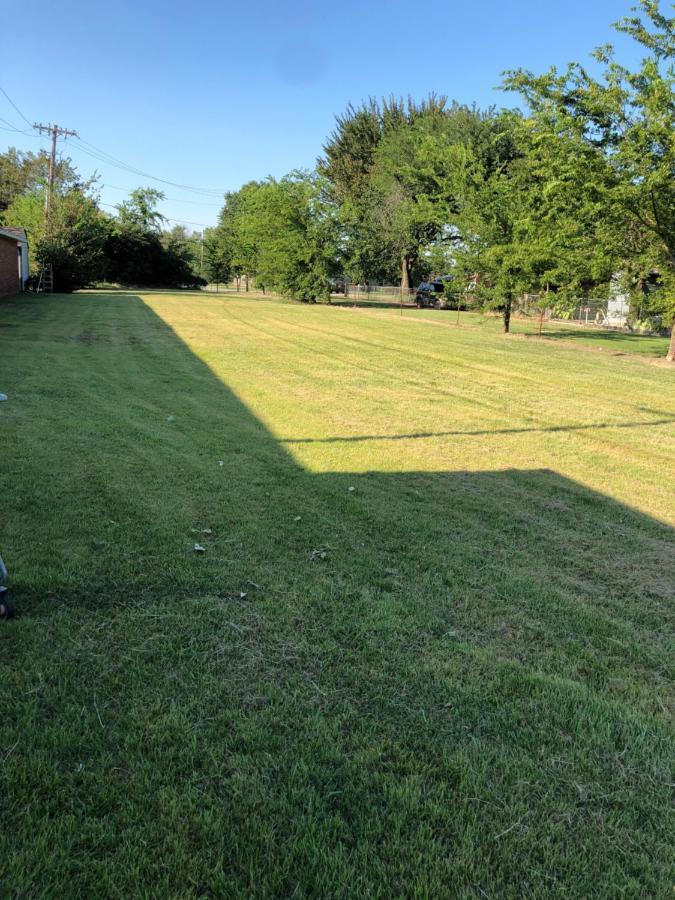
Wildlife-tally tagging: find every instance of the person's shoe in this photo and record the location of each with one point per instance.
(6, 605)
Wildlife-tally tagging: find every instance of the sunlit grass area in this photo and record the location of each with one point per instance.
(427, 647)
(343, 391)
(609, 340)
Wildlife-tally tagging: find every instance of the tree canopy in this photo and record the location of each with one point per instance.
(622, 124)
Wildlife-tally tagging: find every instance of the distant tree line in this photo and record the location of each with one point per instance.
(559, 201)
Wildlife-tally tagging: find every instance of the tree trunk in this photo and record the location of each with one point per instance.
(507, 315)
(246, 281)
(670, 356)
(407, 262)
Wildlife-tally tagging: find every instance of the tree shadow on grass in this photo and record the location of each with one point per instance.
(641, 344)
(422, 435)
(350, 303)
(393, 681)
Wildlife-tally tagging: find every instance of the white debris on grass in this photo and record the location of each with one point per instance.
(319, 553)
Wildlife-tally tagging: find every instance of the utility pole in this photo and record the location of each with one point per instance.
(55, 131)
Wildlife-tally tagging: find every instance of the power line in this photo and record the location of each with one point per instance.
(47, 129)
(12, 127)
(107, 158)
(168, 218)
(13, 130)
(116, 187)
(27, 121)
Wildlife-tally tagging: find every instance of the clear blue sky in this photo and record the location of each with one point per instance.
(213, 94)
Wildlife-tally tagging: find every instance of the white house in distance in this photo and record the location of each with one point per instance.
(13, 263)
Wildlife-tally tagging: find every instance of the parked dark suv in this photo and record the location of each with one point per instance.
(431, 294)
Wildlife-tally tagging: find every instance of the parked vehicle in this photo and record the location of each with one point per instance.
(338, 286)
(432, 295)
(438, 294)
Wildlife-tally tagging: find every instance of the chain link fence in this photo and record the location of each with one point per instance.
(375, 295)
(385, 294)
(611, 313)
(591, 313)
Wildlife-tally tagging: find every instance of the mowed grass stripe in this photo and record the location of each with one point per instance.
(407, 386)
(413, 354)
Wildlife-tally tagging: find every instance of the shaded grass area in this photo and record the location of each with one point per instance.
(465, 692)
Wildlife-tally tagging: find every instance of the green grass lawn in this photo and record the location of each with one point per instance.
(602, 339)
(426, 652)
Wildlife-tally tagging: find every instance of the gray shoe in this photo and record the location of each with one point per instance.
(6, 606)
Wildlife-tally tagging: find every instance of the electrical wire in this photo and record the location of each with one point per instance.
(11, 127)
(168, 218)
(107, 158)
(116, 187)
(30, 124)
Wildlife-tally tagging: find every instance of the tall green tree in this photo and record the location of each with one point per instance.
(188, 245)
(217, 259)
(73, 240)
(23, 173)
(410, 206)
(365, 163)
(626, 119)
(232, 244)
(387, 167)
(140, 210)
(139, 253)
(294, 229)
(495, 253)
(526, 222)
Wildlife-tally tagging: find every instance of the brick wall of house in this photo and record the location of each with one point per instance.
(9, 267)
